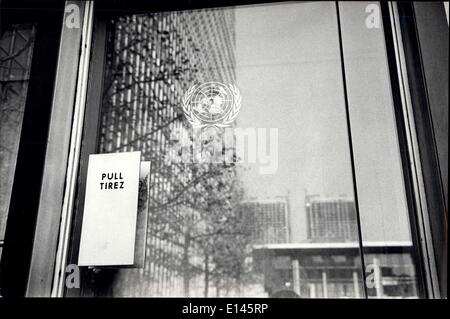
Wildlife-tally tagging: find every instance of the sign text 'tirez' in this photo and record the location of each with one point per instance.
(112, 181)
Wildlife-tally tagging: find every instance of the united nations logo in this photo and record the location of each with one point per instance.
(211, 104)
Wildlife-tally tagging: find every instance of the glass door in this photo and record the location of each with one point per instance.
(275, 160)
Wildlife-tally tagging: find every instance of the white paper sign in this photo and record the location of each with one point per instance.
(108, 233)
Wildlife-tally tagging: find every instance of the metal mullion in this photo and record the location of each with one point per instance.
(424, 230)
(350, 142)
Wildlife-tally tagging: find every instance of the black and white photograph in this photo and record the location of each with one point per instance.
(224, 150)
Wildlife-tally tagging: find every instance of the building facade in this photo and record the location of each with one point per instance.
(331, 219)
(332, 270)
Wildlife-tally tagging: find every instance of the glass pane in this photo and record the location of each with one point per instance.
(385, 226)
(280, 220)
(16, 49)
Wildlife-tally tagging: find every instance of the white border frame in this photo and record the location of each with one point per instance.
(74, 152)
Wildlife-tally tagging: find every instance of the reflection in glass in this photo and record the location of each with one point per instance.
(381, 191)
(16, 49)
(225, 229)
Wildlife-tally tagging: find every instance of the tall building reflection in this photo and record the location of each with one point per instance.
(331, 219)
(267, 220)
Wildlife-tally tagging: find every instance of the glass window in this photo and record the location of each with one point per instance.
(16, 49)
(242, 113)
(381, 190)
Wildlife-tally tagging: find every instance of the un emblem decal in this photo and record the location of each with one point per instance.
(211, 104)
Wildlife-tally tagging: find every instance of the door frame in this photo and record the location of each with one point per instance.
(417, 171)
